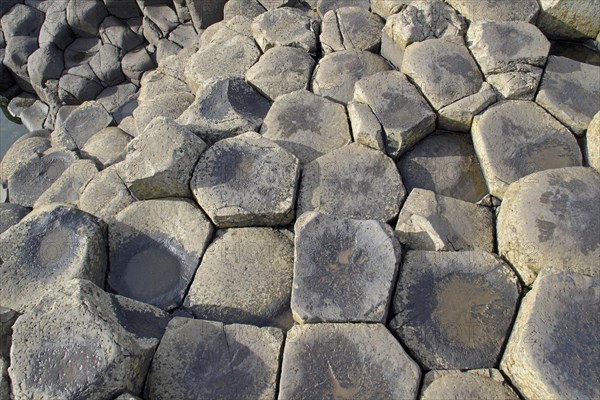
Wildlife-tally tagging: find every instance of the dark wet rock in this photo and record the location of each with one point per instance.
(83, 122)
(44, 64)
(18, 49)
(474, 384)
(22, 20)
(246, 8)
(366, 128)
(134, 64)
(11, 214)
(244, 277)
(56, 29)
(155, 246)
(547, 212)
(107, 147)
(106, 65)
(84, 16)
(592, 143)
(286, 27)
(101, 344)
(356, 361)
(458, 116)
(67, 187)
(163, 16)
(7, 320)
(170, 105)
(354, 171)
(205, 12)
(516, 138)
(123, 8)
(33, 117)
(105, 194)
(492, 10)
(5, 391)
(453, 310)
(349, 28)
(81, 50)
(574, 20)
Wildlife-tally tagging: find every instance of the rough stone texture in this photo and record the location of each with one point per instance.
(570, 19)
(170, 105)
(273, 4)
(306, 125)
(458, 116)
(453, 310)
(115, 32)
(516, 138)
(592, 143)
(355, 361)
(348, 28)
(493, 10)
(79, 84)
(52, 244)
(204, 359)
(570, 90)
(224, 108)
(5, 391)
(429, 221)
(134, 63)
(81, 342)
(205, 13)
(444, 70)
(474, 384)
(157, 83)
(107, 147)
(405, 115)
(44, 64)
(85, 121)
(246, 8)
(107, 66)
(33, 117)
(105, 194)
(365, 175)
(7, 320)
(244, 277)
(84, 16)
(155, 247)
(19, 152)
(21, 20)
(11, 214)
(225, 30)
(547, 212)
(246, 181)
(161, 160)
(81, 50)
(517, 85)
(324, 6)
(286, 27)
(67, 188)
(366, 128)
(344, 269)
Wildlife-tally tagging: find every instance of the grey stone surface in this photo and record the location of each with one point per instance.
(21, 20)
(166, 48)
(273, 4)
(492, 10)
(204, 359)
(67, 188)
(459, 115)
(356, 361)
(105, 194)
(453, 310)
(430, 221)
(336, 73)
(33, 117)
(246, 181)
(155, 247)
(344, 269)
(7, 320)
(75, 89)
(81, 50)
(517, 85)
(184, 35)
(244, 277)
(20, 103)
(84, 16)
(101, 344)
(52, 244)
(106, 65)
(119, 100)
(55, 28)
(45, 63)
(564, 19)
(169, 105)
(205, 12)
(223, 31)
(354, 171)
(123, 8)
(281, 70)
(516, 138)
(547, 212)
(570, 91)
(163, 16)
(81, 124)
(245, 8)
(366, 128)
(115, 32)
(107, 147)
(5, 390)
(11, 214)
(17, 51)
(19, 153)
(405, 115)
(306, 125)
(592, 143)
(286, 27)
(474, 384)
(157, 83)
(134, 63)
(349, 28)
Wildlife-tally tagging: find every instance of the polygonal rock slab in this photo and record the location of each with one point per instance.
(170, 105)
(352, 361)
(429, 221)
(11, 214)
(493, 10)
(307, 125)
(453, 310)
(286, 27)
(547, 212)
(366, 128)
(281, 70)
(52, 244)
(356, 172)
(336, 73)
(516, 138)
(344, 269)
(245, 277)
(224, 108)
(570, 90)
(554, 336)
(246, 8)
(246, 181)
(105, 194)
(444, 70)
(161, 160)
(81, 342)
(205, 359)
(19, 153)
(517, 85)
(155, 246)
(107, 147)
(324, 6)
(67, 188)
(347, 28)
(157, 82)
(405, 115)
(85, 121)
(592, 143)
(458, 116)
(474, 384)
(564, 19)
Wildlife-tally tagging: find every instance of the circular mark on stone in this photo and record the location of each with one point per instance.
(54, 247)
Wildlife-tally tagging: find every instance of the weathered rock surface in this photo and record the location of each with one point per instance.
(348, 28)
(244, 277)
(324, 6)
(547, 212)
(474, 384)
(453, 310)
(205, 359)
(246, 8)
(5, 391)
(306, 125)
(366, 128)
(155, 247)
(492, 10)
(356, 361)
(52, 244)
(246, 181)
(205, 13)
(517, 85)
(19, 152)
(68, 186)
(517, 138)
(170, 105)
(286, 27)
(81, 124)
(564, 19)
(554, 336)
(84, 17)
(223, 31)
(7, 320)
(459, 115)
(105, 194)
(107, 147)
(353, 171)
(158, 83)
(11, 214)
(592, 143)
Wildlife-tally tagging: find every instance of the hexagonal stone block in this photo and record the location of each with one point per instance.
(245, 277)
(107, 147)
(356, 172)
(52, 244)
(281, 70)
(205, 359)
(84, 122)
(453, 310)
(155, 246)
(563, 19)
(493, 10)
(474, 384)
(429, 221)
(570, 90)
(11, 214)
(286, 27)
(405, 115)
(336, 73)
(67, 188)
(516, 138)
(344, 269)
(592, 143)
(81, 342)
(347, 28)
(553, 352)
(307, 125)
(353, 361)
(105, 194)
(459, 115)
(169, 105)
(547, 212)
(246, 181)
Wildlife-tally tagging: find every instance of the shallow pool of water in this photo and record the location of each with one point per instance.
(10, 130)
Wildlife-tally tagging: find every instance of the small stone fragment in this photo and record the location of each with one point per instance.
(518, 85)
(366, 128)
